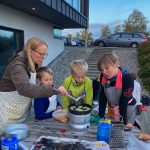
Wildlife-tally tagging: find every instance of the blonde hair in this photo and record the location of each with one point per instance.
(32, 43)
(108, 59)
(77, 65)
(41, 70)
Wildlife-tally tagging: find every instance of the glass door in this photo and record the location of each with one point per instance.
(11, 41)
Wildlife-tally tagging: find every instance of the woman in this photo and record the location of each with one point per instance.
(16, 90)
(116, 90)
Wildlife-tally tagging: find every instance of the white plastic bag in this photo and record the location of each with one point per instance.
(135, 144)
(61, 115)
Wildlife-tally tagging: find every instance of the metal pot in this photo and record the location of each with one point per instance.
(84, 112)
(80, 121)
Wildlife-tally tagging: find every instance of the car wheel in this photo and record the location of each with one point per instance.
(134, 45)
(101, 44)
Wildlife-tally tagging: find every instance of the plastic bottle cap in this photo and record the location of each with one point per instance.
(104, 125)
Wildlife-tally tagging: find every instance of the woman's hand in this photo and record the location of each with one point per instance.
(63, 91)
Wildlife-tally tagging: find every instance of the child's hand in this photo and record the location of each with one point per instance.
(59, 107)
(97, 78)
(129, 125)
(63, 91)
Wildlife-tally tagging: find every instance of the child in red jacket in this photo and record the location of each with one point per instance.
(116, 90)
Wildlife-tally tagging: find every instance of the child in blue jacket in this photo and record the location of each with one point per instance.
(45, 106)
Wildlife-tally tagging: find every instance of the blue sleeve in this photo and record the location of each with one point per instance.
(58, 101)
(96, 87)
(102, 103)
(40, 107)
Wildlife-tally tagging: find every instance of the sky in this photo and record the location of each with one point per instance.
(113, 12)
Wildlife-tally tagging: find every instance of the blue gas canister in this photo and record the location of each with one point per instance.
(103, 132)
(10, 143)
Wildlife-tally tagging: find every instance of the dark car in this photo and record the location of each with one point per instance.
(67, 41)
(80, 43)
(123, 39)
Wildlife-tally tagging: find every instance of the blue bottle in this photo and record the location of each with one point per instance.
(103, 132)
(10, 143)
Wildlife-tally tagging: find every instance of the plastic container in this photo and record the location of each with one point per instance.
(103, 132)
(61, 115)
(20, 131)
(10, 143)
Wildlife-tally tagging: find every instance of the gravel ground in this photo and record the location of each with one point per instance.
(129, 59)
(60, 67)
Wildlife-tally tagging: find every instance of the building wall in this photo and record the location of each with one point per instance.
(32, 27)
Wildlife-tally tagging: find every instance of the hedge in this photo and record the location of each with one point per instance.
(144, 64)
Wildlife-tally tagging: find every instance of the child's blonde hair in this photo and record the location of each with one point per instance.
(77, 65)
(42, 70)
(107, 59)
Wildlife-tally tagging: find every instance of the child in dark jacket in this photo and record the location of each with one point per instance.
(116, 90)
(45, 106)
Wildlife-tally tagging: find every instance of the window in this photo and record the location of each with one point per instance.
(57, 32)
(74, 3)
(69, 1)
(137, 36)
(126, 35)
(11, 41)
(115, 36)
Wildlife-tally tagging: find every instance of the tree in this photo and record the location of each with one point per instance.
(118, 28)
(69, 36)
(82, 35)
(105, 31)
(69, 39)
(78, 36)
(136, 22)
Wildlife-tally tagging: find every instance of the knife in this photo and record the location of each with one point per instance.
(72, 97)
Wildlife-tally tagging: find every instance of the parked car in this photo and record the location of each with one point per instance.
(73, 42)
(123, 39)
(67, 41)
(80, 43)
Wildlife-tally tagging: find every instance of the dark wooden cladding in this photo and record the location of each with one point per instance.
(58, 12)
(54, 4)
(63, 8)
(59, 6)
(66, 9)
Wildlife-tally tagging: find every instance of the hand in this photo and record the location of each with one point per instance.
(63, 91)
(59, 107)
(129, 125)
(97, 78)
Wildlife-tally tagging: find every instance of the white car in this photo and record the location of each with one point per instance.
(73, 42)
